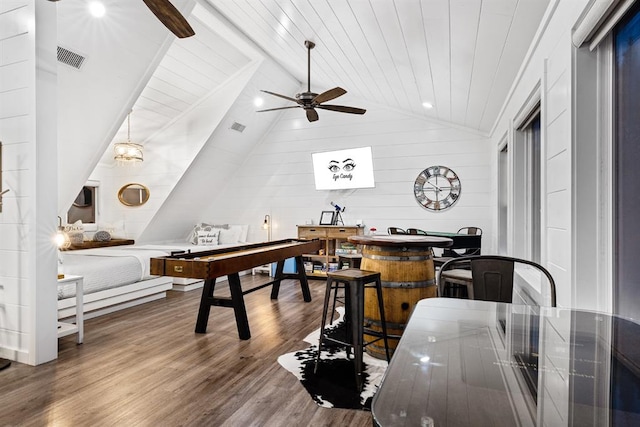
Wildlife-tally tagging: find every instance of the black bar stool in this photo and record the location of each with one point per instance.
(354, 281)
(351, 261)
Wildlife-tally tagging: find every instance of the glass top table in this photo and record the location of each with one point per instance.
(478, 363)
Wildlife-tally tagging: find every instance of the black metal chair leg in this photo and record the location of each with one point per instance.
(327, 295)
(383, 321)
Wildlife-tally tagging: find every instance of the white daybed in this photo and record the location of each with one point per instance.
(118, 277)
(114, 278)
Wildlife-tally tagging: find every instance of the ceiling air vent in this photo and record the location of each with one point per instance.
(237, 126)
(70, 58)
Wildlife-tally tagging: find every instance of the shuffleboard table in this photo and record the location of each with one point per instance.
(211, 264)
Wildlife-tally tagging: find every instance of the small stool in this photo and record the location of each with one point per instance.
(351, 260)
(460, 280)
(354, 281)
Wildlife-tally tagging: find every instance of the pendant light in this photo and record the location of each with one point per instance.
(128, 152)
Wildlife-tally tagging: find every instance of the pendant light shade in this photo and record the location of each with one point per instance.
(128, 152)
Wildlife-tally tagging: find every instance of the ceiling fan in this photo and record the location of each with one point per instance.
(170, 17)
(310, 101)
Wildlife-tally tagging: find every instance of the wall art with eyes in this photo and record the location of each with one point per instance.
(338, 170)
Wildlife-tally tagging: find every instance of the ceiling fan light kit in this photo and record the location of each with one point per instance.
(309, 101)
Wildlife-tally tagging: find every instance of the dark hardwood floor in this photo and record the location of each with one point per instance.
(145, 366)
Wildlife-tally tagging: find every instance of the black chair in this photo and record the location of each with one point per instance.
(470, 230)
(416, 231)
(395, 230)
(475, 231)
(488, 277)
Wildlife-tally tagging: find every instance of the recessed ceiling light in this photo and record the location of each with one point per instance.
(97, 9)
(258, 102)
(427, 105)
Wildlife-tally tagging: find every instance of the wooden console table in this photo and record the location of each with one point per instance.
(331, 236)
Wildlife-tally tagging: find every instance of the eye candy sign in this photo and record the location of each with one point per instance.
(336, 170)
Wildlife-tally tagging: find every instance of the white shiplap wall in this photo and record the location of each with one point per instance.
(95, 100)
(169, 157)
(277, 177)
(27, 222)
(549, 63)
(218, 161)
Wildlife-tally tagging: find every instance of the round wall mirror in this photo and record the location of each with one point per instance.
(133, 195)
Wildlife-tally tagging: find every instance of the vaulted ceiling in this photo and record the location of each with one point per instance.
(461, 56)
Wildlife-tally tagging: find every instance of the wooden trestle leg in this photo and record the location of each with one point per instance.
(206, 301)
(300, 276)
(237, 297)
(239, 309)
(275, 288)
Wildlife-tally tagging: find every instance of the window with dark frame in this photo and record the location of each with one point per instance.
(531, 139)
(626, 158)
(84, 206)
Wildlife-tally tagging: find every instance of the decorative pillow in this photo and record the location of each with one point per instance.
(102, 236)
(203, 226)
(230, 236)
(208, 238)
(244, 231)
(193, 236)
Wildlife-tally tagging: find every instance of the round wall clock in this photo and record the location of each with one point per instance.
(437, 188)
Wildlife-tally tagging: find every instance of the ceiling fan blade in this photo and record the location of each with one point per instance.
(329, 95)
(312, 115)
(281, 96)
(279, 108)
(342, 109)
(170, 17)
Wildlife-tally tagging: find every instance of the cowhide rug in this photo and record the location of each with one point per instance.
(334, 385)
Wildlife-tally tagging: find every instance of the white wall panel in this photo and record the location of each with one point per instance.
(559, 210)
(218, 162)
(562, 277)
(14, 156)
(15, 125)
(558, 137)
(27, 129)
(553, 48)
(14, 129)
(559, 58)
(14, 291)
(558, 97)
(277, 177)
(15, 102)
(14, 49)
(559, 175)
(13, 237)
(11, 77)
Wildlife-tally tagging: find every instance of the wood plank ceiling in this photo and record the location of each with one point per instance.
(190, 70)
(461, 56)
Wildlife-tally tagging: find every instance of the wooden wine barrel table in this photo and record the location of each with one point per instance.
(405, 263)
